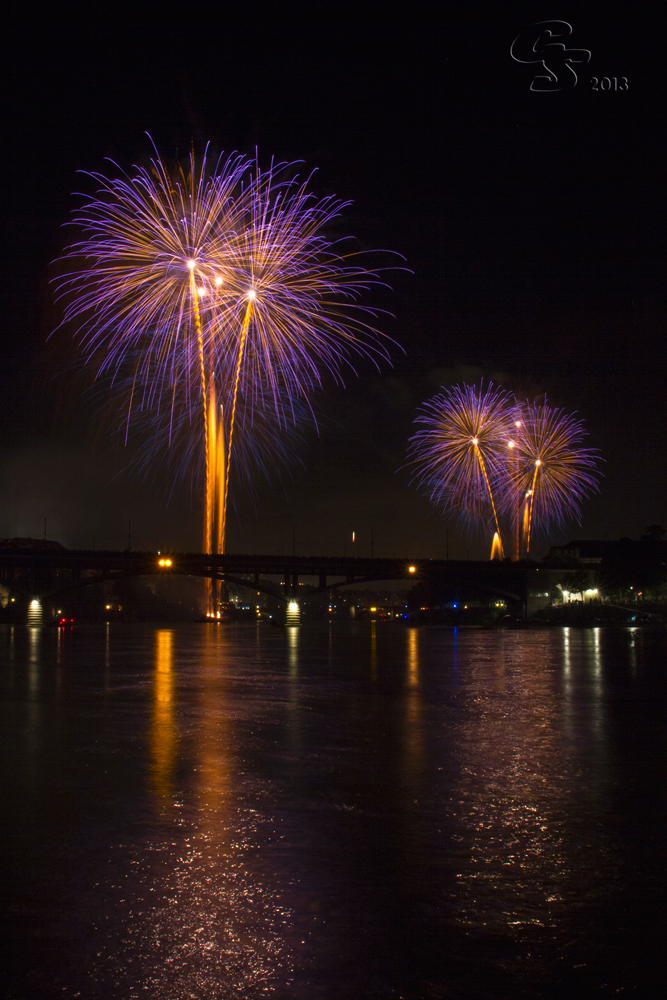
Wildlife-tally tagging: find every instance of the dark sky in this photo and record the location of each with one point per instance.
(532, 222)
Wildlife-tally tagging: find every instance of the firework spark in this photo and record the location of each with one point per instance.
(550, 473)
(215, 292)
(502, 463)
(134, 293)
(460, 453)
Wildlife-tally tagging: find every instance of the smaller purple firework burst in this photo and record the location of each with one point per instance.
(516, 467)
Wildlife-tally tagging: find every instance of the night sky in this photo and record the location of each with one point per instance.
(531, 224)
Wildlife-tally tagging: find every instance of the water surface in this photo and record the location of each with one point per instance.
(345, 812)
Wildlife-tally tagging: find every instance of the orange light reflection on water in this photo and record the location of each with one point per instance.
(413, 744)
(206, 918)
(374, 650)
(163, 727)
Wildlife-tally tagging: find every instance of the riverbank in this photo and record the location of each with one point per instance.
(591, 614)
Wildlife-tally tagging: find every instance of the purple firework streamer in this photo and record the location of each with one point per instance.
(518, 466)
(549, 473)
(215, 281)
(460, 452)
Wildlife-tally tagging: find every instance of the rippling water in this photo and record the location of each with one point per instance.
(332, 813)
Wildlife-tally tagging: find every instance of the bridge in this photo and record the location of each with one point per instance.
(46, 573)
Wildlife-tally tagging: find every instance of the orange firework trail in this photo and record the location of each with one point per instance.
(244, 332)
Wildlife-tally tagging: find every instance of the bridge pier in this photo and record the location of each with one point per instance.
(35, 613)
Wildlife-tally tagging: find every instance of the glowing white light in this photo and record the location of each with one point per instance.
(251, 294)
(510, 444)
(218, 281)
(201, 292)
(292, 606)
(474, 440)
(191, 264)
(538, 461)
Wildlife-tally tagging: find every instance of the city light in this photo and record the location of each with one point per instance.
(165, 563)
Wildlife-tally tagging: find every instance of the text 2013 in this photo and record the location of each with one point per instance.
(609, 83)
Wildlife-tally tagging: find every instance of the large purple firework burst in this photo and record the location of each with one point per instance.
(211, 301)
(159, 247)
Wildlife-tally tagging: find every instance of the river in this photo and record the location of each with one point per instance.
(335, 812)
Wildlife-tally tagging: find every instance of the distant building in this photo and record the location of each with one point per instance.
(31, 545)
(620, 566)
(587, 552)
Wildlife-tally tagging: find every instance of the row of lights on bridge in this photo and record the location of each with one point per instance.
(166, 563)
